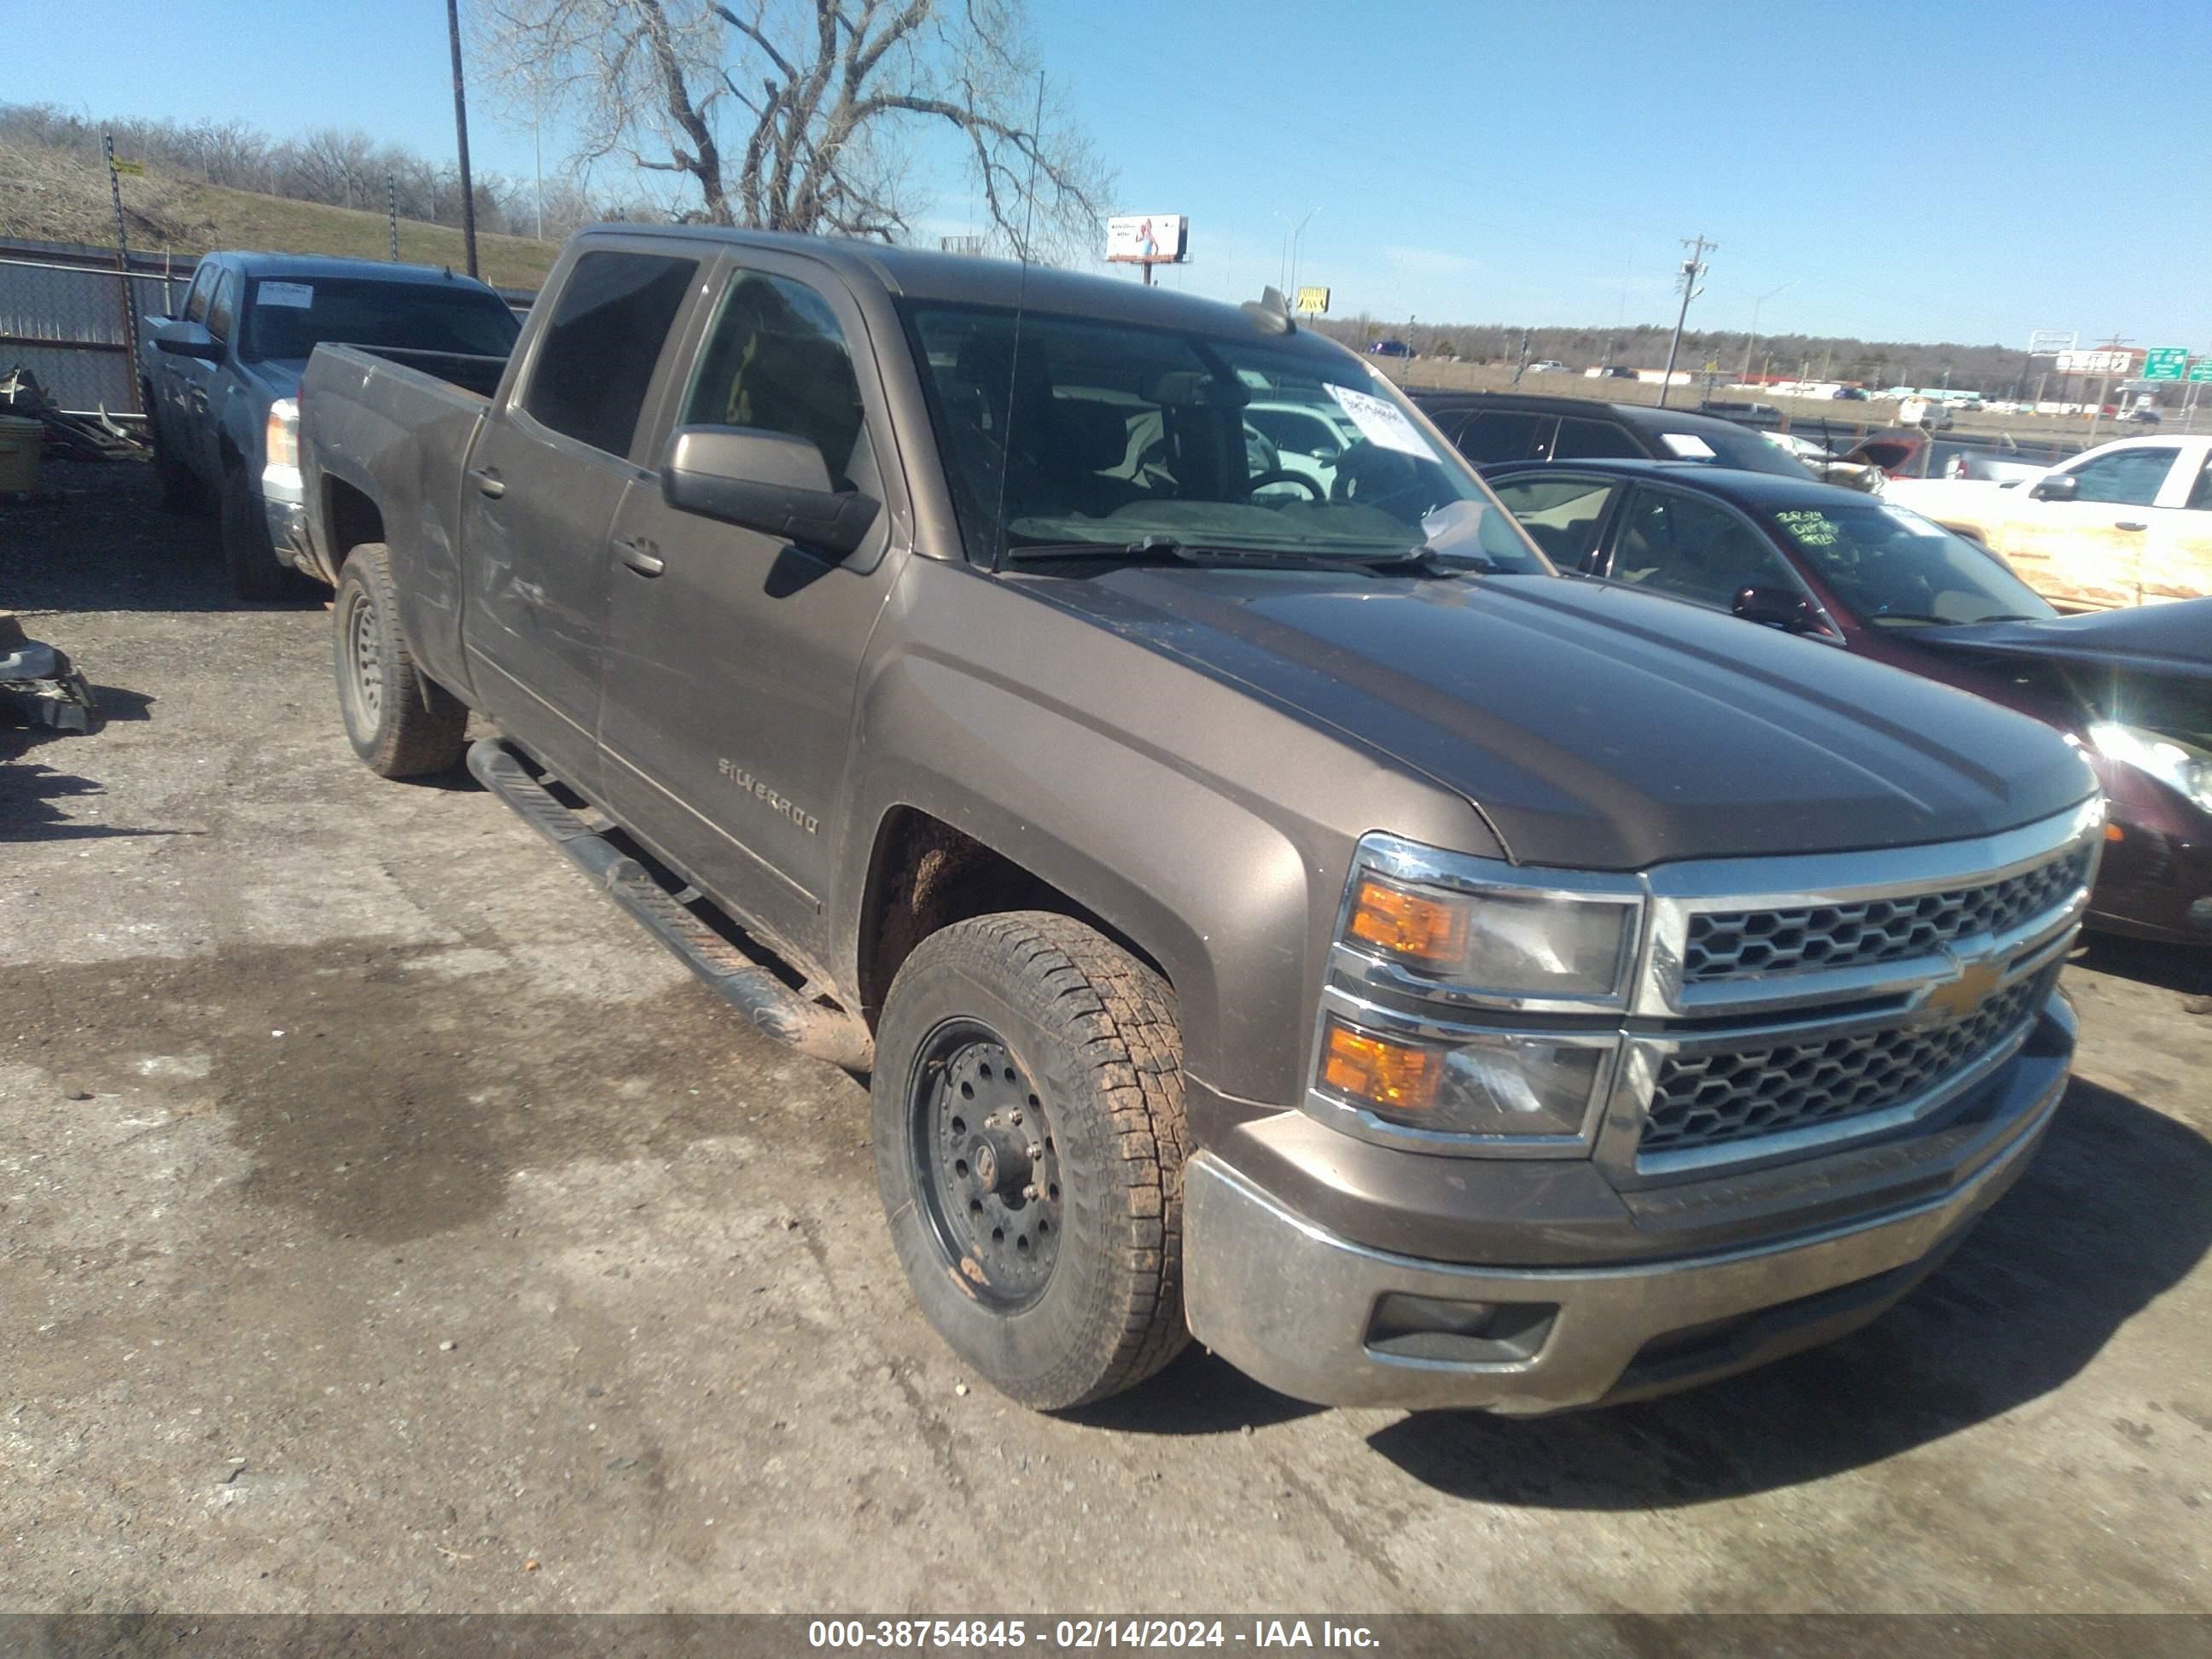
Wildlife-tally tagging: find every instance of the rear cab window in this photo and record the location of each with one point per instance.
(287, 318)
(595, 363)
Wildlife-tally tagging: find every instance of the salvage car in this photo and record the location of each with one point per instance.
(1306, 923)
(2134, 688)
(2125, 523)
(217, 381)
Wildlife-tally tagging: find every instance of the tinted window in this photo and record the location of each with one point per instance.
(2200, 494)
(1561, 515)
(1718, 444)
(605, 334)
(777, 360)
(1501, 435)
(223, 308)
(289, 317)
(1592, 441)
(1695, 549)
(196, 302)
(2129, 478)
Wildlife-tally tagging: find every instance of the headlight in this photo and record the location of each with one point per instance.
(1457, 1012)
(282, 439)
(1503, 946)
(2180, 766)
(1492, 1084)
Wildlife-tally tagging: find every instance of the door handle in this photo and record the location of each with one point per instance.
(2129, 524)
(641, 556)
(489, 482)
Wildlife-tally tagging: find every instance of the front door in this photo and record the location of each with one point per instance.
(733, 657)
(2089, 553)
(538, 500)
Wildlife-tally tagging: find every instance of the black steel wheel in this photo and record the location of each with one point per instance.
(985, 1164)
(400, 721)
(1028, 1098)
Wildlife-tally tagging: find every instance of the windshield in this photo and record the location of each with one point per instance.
(1743, 448)
(1893, 567)
(1106, 435)
(289, 318)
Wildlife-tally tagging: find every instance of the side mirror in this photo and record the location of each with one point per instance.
(2058, 487)
(770, 482)
(187, 340)
(1777, 607)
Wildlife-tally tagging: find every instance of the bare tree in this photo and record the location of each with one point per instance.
(806, 115)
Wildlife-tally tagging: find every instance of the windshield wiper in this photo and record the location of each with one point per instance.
(1952, 622)
(1172, 548)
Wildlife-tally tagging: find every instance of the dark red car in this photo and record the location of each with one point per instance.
(2133, 687)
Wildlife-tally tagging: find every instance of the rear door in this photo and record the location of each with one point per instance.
(2178, 559)
(547, 469)
(2090, 553)
(732, 656)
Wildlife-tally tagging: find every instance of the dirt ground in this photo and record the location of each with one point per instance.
(386, 1223)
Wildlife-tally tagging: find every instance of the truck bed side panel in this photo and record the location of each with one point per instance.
(400, 437)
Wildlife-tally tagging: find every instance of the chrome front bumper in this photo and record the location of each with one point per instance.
(1304, 1311)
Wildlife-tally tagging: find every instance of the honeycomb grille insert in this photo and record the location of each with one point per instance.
(1740, 945)
(1707, 1100)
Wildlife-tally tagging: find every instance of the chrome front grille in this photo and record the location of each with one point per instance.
(1756, 944)
(1737, 1094)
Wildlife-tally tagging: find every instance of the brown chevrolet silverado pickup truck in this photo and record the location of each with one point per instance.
(1269, 902)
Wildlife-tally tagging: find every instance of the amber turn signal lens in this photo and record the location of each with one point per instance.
(1409, 924)
(2113, 832)
(1382, 1072)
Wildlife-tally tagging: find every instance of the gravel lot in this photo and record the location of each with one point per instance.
(386, 1223)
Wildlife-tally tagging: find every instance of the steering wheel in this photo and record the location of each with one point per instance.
(1261, 481)
(1369, 475)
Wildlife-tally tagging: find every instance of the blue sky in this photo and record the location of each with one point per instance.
(1970, 172)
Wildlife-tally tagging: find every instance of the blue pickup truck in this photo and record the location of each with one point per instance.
(220, 380)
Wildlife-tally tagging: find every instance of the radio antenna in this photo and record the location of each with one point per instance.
(1014, 367)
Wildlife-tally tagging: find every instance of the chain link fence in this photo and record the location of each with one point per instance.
(63, 318)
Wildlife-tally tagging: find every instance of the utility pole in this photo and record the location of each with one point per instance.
(1692, 268)
(461, 136)
(392, 211)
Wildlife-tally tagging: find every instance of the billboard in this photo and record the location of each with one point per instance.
(1148, 238)
(2096, 363)
(2050, 342)
(1313, 301)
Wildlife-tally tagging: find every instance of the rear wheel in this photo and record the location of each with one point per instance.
(256, 573)
(401, 722)
(1028, 1099)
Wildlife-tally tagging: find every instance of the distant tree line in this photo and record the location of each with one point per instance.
(337, 167)
(1993, 370)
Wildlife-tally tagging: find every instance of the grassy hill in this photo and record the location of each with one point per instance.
(55, 196)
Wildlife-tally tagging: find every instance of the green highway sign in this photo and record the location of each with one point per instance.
(2166, 363)
(2201, 369)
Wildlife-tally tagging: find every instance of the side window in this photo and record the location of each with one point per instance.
(776, 360)
(1501, 435)
(1694, 549)
(1592, 441)
(223, 309)
(595, 362)
(2128, 477)
(2200, 493)
(1561, 515)
(196, 301)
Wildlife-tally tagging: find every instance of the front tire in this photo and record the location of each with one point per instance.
(180, 491)
(401, 722)
(256, 576)
(1029, 1131)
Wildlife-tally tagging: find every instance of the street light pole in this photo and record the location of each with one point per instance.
(1692, 268)
(1286, 272)
(1753, 338)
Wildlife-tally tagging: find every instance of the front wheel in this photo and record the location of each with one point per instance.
(400, 721)
(256, 573)
(1029, 1130)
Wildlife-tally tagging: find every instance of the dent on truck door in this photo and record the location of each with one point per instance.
(538, 498)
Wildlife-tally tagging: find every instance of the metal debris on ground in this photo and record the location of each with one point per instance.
(39, 685)
(78, 437)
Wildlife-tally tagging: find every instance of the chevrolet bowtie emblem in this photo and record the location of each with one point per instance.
(1962, 995)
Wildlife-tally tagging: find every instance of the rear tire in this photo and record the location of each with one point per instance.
(1029, 1130)
(401, 722)
(256, 576)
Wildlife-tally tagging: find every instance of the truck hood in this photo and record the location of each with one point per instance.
(1600, 728)
(2172, 640)
(279, 376)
